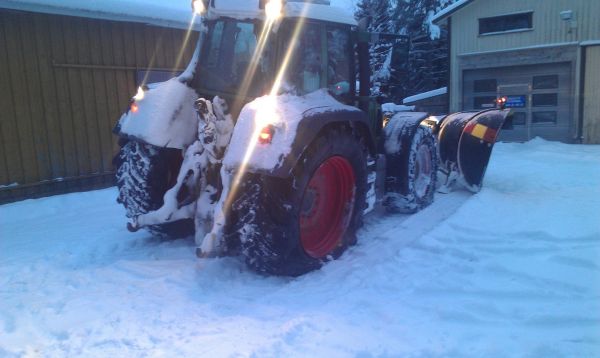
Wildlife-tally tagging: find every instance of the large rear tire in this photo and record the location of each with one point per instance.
(144, 174)
(292, 226)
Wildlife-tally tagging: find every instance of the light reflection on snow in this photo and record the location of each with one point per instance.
(140, 94)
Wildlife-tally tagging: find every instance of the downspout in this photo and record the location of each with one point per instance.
(581, 95)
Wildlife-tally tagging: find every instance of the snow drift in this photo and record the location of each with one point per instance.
(512, 271)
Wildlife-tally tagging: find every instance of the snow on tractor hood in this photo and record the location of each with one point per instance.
(165, 116)
(283, 113)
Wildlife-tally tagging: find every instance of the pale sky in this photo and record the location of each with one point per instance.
(348, 4)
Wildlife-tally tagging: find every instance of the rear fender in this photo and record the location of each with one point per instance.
(301, 119)
(312, 126)
(165, 116)
(466, 140)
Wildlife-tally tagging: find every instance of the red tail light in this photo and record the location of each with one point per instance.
(266, 135)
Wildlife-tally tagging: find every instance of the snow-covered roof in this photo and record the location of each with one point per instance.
(450, 10)
(392, 107)
(590, 43)
(320, 12)
(425, 95)
(249, 9)
(171, 13)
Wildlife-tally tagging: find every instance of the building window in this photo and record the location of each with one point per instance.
(483, 102)
(485, 85)
(499, 24)
(545, 82)
(544, 117)
(545, 100)
(519, 118)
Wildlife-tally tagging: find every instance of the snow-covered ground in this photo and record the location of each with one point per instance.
(511, 271)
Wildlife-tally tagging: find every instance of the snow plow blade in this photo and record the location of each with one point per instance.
(466, 140)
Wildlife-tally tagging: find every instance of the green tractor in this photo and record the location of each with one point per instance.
(268, 146)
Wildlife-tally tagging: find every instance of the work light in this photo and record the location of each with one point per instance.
(273, 9)
(199, 6)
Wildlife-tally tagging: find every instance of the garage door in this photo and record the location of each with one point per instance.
(540, 97)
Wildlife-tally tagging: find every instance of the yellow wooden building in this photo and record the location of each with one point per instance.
(66, 75)
(544, 55)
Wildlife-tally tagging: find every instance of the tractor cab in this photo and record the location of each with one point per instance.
(272, 47)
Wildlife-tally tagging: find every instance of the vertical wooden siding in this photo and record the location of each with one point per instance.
(548, 28)
(64, 81)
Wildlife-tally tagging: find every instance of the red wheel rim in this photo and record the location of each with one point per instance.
(327, 206)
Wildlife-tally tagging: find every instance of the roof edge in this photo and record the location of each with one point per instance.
(425, 95)
(448, 11)
(100, 15)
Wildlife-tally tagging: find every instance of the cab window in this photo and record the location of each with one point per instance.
(339, 60)
(305, 71)
(229, 51)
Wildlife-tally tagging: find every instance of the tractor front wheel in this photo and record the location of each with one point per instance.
(416, 172)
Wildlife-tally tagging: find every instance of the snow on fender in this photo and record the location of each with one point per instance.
(165, 117)
(283, 114)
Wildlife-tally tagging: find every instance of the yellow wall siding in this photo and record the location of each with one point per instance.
(591, 109)
(64, 82)
(548, 28)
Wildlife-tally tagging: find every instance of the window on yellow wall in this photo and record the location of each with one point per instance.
(506, 23)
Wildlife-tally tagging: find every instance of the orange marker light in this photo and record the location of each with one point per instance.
(134, 107)
(266, 135)
(501, 102)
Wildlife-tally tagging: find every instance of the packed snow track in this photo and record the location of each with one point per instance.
(511, 271)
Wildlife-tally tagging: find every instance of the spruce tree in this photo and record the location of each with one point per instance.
(377, 14)
(427, 65)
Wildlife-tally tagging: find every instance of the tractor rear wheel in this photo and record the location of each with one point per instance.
(299, 223)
